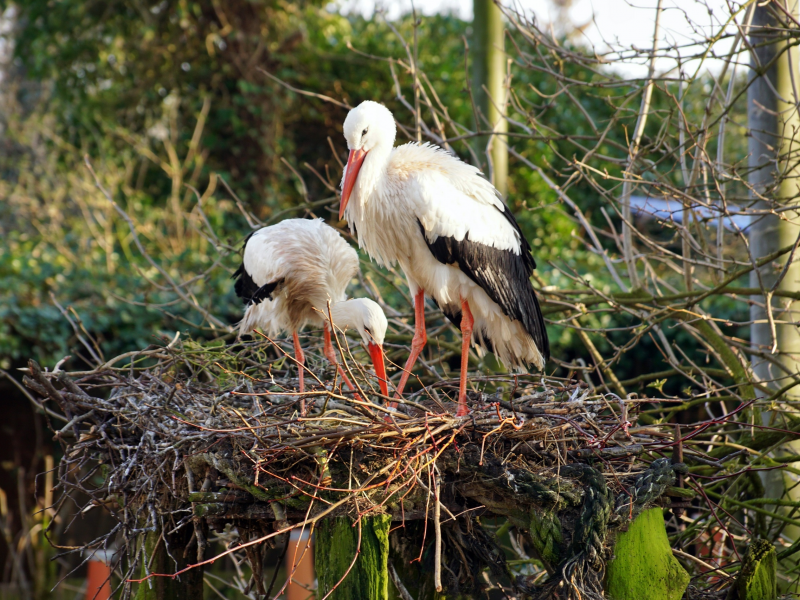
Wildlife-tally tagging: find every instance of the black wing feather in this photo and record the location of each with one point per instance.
(247, 289)
(244, 286)
(502, 274)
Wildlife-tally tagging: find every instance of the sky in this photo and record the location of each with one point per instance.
(609, 24)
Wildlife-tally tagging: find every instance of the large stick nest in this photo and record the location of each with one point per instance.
(186, 437)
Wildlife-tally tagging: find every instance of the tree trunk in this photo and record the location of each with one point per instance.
(488, 73)
(774, 125)
(336, 545)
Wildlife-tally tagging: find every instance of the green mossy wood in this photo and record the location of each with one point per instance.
(757, 579)
(335, 545)
(643, 564)
(188, 587)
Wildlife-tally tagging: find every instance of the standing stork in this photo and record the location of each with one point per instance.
(451, 234)
(289, 274)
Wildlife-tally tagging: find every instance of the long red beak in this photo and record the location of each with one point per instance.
(376, 353)
(350, 175)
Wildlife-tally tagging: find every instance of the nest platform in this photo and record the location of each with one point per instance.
(186, 439)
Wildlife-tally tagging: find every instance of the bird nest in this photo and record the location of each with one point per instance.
(188, 438)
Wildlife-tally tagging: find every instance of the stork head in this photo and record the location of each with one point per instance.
(369, 127)
(366, 317)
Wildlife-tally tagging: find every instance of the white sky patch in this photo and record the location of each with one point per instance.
(621, 26)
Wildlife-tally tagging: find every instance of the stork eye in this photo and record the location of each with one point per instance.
(363, 133)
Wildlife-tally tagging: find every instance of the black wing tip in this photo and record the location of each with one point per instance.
(237, 274)
(244, 286)
(502, 274)
(539, 331)
(265, 291)
(542, 340)
(249, 291)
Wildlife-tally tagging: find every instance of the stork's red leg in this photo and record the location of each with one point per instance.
(417, 343)
(466, 337)
(331, 356)
(301, 361)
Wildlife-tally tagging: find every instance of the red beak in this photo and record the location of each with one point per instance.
(376, 353)
(350, 175)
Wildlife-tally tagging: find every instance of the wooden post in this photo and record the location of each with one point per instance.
(350, 569)
(643, 565)
(488, 73)
(757, 579)
(188, 587)
(774, 124)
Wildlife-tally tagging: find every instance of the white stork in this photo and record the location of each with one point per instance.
(451, 234)
(289, 273)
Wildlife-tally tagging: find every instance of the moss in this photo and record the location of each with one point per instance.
(336, 545)
(643, 564)
(757, 578)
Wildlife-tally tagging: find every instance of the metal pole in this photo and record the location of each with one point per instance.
(488, 74)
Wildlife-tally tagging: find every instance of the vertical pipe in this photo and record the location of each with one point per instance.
(488, 73)
(300, 563)
(98, 579)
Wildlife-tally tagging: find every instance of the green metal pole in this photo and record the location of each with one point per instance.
(488, 74)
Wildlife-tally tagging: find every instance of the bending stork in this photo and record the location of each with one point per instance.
(288, 274)
(451, 234)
